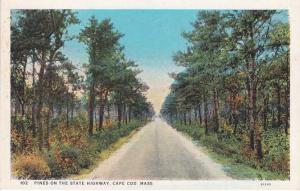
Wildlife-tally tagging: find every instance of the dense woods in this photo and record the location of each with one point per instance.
(57, 108)
(233, 94)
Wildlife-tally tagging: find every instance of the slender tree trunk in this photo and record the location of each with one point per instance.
(91, 108)
(129, 114)
(103, 101)
(190, 117)
(22, 124)
(273, 117)
(278, 89)
(287, 97)
(195, 115)
(235, 122)
(265, 112)
(101, 116)
(33, 113)
(40, 106)
(48, 123)
(119, 108)
(234, 113)
(205, 114)
(252, 108)
(15, 113)
(67, 113)
(108, 111)
(72, 108)
(250, 115)
(230, 106)
(124, 114)
(95, 116)
(184, 117)
(200, 114)
(216, 108)
(22, 103)
(287, 110)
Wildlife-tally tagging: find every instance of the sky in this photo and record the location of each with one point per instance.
(151, 38)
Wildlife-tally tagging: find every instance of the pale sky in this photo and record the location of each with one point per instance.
(151, 37)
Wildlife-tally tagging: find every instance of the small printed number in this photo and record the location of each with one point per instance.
(265, 184)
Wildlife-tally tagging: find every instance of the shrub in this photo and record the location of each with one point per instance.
(71, 150)
(275, 146)
(31, 167)
(63, 160)
(85, 159)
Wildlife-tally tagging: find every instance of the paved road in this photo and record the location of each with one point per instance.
(158, 151)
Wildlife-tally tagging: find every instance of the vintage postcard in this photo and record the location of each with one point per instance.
(149, 95)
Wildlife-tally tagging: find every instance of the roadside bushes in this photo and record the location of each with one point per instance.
(71, 149)
(63, 160)
(31, 166)
(275, 147)
(106, 137)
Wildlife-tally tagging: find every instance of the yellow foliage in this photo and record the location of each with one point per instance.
(108, 123)
(248, 152)
(31, 166)
(281, 163)
(226, 127)
(21, 143)
(69, 136)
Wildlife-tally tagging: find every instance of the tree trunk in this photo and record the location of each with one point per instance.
(67, 113)
(95, 116)
(40, 106)
(48, 123)
(250, 115)
(205, 114)
(103, 101)
(190, 117)
(287, 110)
(254, 127)
(33, 113)
(108, 111)
(91, 108)
(195, 115)
(129, 114)
(124, 114)
(101, 116)
(200, 114)
(265, 112)
(273, 117)
(235, 122)
(278, 89)
(119, 114)
(287, 97)
(22, 104)
(216, 107)
(72, 108)
(22, 124)
(184, 117)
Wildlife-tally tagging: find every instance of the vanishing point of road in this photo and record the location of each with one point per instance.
(159, 152)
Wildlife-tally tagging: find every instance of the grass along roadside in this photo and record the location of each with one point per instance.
(105, 154)
(239, 170)
(230, 154)
(72, 152)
